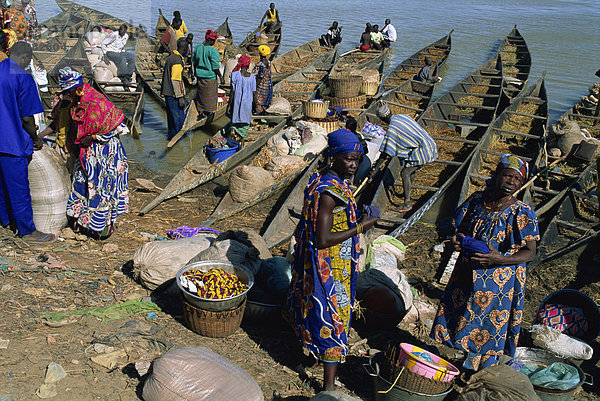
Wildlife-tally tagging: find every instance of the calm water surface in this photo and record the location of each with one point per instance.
(563, 37)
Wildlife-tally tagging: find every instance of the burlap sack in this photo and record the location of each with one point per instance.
(245, 182)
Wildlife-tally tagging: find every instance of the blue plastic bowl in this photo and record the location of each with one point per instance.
(218, 155)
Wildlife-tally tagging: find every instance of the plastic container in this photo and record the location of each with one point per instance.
(385, 391)
(213, 324)
(569, 297)
(441, 369)
(216, 305)
(218, 155)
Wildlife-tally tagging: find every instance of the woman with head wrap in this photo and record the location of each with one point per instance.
(325, 267)
(32, 22)
(206, 65)
(100, 191)
(243, 86)
(482, 307)
(264, 84)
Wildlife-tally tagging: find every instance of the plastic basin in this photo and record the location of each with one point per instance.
(218, 155)
(440, 369)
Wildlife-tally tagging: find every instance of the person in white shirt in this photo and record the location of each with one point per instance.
(113, 46)
(333, 35)
(389, 33)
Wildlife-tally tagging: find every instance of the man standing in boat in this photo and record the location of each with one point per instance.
(112, 48)
(173, 89)
(273, 21)
(407, 140)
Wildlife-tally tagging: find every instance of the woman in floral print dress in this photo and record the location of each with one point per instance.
(482, 307)
(100, 191)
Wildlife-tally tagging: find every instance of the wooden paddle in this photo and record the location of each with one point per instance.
(360, 187)
(542, 171)
(135, 128)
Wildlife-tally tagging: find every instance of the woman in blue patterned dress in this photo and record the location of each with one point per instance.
(482, 307)
(325, 264)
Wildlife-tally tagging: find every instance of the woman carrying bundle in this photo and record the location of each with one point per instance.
(264, 84)
(100, 192)
(325, 265)
(482, 307)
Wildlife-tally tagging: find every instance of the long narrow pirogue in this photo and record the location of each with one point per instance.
(438, 51)
(516, 63)
(198, 170)
(297, 58)
(575, 223)
(59, 25)
(106, 20)
(410, 97)
(259, 37)
(457, 121)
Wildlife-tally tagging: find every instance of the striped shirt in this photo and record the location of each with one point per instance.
(409, 141)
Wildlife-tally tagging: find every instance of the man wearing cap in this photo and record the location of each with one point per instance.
(173, 89)
(19, 102)
(409, 142)
(425, 75)
(206, 66)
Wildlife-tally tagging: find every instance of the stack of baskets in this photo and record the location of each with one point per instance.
(415, 369)
(214, 317)
(345, 91)
(316, 110)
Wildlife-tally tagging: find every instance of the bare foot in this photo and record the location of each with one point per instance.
(38, 237)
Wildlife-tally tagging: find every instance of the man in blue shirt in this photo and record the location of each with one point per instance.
(407, 140)
(19, 102)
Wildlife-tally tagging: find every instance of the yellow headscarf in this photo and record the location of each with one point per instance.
(264, 50)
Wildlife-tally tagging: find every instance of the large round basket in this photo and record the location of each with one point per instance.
(369, 88)
(346, 86)
(213, 324)
(216, 305)
(329, 126)
(356, 102)
(315, 109)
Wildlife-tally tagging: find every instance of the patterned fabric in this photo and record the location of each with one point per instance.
(18, 22)
(373, 130)
(32, 22)
(68, 78)
(515, 163)
(100, 192)
(188, 232)
(406, 139)
(11, 38)
(264, 87)
(567, 319)
(94, 115)
(482, 308)
(324, 280)
(208, 95)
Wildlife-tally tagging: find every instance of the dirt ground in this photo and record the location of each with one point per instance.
(75, 274)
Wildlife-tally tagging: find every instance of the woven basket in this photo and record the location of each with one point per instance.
(313, 109)
(329, 126)
(355, 102)
(369, 88)
(348, 86)
(213, 324)
(417, 383)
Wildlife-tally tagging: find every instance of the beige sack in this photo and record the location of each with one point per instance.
(102, 74)
(109, 65)
(281, 166)
(280, 106)
(245, 182)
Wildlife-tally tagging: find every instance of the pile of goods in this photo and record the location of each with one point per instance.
(105, 71)
(219, 148)
(213, 284)
(350, 89)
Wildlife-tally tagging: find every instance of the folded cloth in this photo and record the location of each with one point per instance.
(472, 246)
(188, 232)
(371, 211)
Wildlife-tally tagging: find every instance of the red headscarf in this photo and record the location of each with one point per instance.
(210, 35)
(244, 61)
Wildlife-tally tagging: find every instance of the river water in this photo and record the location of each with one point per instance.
(563, 38)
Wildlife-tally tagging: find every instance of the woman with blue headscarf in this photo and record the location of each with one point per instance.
(326, 255)
(482, 307)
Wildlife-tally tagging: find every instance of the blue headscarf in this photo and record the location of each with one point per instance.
(343, 141)
(68, 78)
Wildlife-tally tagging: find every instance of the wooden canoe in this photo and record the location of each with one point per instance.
(296, 87)
(457, 121)
(57, 26)
(411, 98)
(252, 41)
(575, 222)
(520, 130)
(438, 51)
(199, 170)
(106, 20)
(516, 62)
(296, 59)
(161, 25)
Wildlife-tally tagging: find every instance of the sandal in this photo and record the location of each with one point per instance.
(45, 239)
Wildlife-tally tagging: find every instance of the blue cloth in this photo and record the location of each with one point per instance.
(343, 141)
(406, 139)
(15, 199)
(243, 95)
(68, 78)
(175, 116)
(18, 98)
(482, 308)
